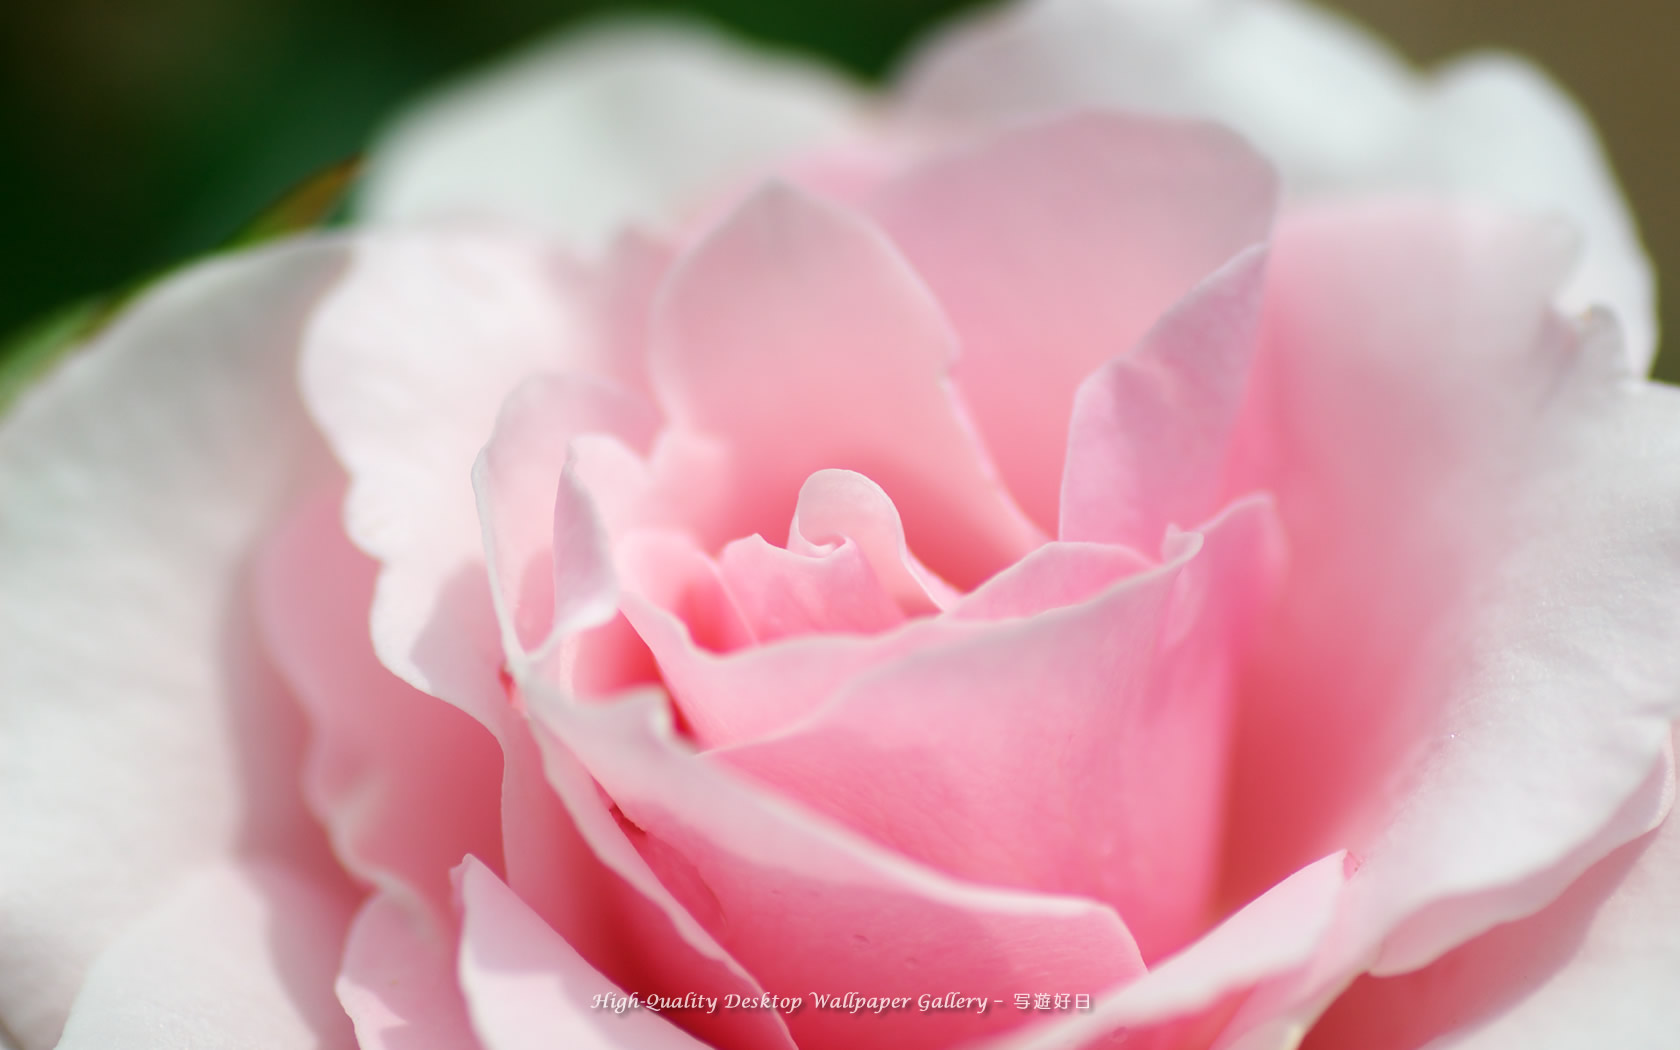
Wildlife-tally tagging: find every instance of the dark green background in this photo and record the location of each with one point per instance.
(135, 133)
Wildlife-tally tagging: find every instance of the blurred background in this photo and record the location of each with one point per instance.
(136, 133)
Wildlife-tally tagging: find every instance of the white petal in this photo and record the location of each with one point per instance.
(1334, 108)
(240, 957)
(588, 133)
(132, 701)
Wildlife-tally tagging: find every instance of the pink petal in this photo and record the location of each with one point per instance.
(730, 695)
(836, 505)
(1059, 244)
(1151, 429)
(406, 784)
(1597, 967)
(668, 571)
(406, 367)
(1056, 575)
(398, 983)
(796, 337)
(1270, 938)
(530, 990)
(847, 568)
(241, 954)
(808, 907)
(538, 543)
(1470, 678)
(1114, 711)
(658, 942)
(1334, 107)
(141, 727)
(783, 594)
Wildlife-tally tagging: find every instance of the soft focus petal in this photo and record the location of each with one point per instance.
(797, 338)
(530, 990)
(397, 981)
(406, 784)
(1471, 676)
(806, 906)
(1597, 967)
(1111, 714)
(1152, 429)
(1269, 938)
(593, 132)
(239, 956)
(1055, 246)
(1328, 103)
(141, 729)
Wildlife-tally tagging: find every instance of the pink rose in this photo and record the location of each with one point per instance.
(732, 563)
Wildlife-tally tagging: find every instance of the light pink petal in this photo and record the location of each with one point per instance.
(733, 695)
(1176, 1003)
(406, 367)
(842, 504)
(797, 337)
(530, 990)
(1152, 428)
(141, 727)
(406, 784)
(397, 981)
(620, 915)
(1597, 967)
(806, 906)
(1114, 711)
(1055, 246)
(408, 363)
(653, 940)
(542, 540)
(668, 570)
(727, 697)
(1334, 107)
(239, 955)
(1471, 675)
(846, 569)
(782, 594)
(1055, 575)
(592, 132)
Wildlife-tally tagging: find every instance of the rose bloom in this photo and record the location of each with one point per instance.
(1147, 533)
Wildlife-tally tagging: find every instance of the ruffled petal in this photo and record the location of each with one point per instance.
(797, 338)
(1114, 710)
